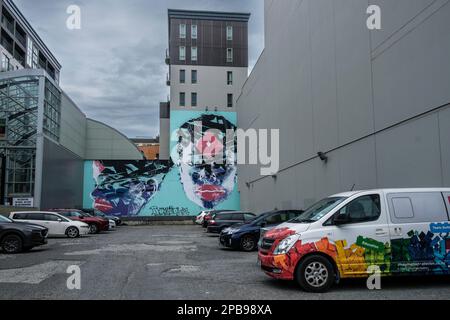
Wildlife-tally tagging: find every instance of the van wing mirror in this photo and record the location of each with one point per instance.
(341, 219)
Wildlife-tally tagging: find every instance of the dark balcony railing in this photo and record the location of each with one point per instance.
(167, 57)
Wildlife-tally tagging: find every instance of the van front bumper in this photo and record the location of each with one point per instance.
(276, 266)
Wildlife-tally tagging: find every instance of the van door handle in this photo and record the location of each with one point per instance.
(381, 232)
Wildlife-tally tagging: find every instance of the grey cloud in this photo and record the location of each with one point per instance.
(113, 68)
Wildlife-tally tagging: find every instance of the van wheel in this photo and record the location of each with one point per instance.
(12, 244)
(93, 229)
(315, 274)
(72, 233)
(248, 244)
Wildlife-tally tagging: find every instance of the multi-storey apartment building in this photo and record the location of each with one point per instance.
(20, 45)
(208, 64)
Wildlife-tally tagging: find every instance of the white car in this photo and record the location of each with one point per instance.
(112, 225)
(199, 219)
(56, 224)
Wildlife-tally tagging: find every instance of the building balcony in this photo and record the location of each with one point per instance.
(167, 57)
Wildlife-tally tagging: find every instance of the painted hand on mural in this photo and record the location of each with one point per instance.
(124, 188)
(202, 141)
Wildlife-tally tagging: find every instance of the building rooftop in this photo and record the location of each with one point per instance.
(208, 15)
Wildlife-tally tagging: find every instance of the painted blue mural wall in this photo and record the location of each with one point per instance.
(178, 187)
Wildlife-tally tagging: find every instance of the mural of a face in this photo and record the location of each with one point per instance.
(206, 183)
(124, 188)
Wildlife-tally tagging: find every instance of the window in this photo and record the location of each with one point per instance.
(230, 100)
(29, 52)
(2, 129)
(194, 54)
(182, 76)
(36, 217)
(182, 99)
(248, 217)
(229, 33)
(193, 99)
(225, 216)
(194, 76)
(182, 53)
(273, 219)
(363, 209)
(229, 55)
(403, 208)
(182, 31)
(417, 207)
(230, 78)
(194, 31)
(51, 217)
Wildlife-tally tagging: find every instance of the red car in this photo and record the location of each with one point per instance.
(96, 224)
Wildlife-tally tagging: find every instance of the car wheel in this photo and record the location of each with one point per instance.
(72, 233)
(248, 243)
(93, 229)
(12, 244)
(315, 274)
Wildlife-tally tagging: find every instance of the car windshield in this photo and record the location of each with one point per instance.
(319, 210)
(4, 219)
(259, 218)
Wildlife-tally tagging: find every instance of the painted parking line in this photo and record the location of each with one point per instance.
(36, 274)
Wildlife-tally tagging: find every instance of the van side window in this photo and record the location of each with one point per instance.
(403, 208)
(363, 209)
(427, 207)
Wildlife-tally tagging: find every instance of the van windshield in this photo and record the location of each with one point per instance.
(319, 210)
(4, 219)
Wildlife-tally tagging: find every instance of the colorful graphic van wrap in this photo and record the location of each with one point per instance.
(386, 229)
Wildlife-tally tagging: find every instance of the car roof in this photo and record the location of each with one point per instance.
(391, 190)
(44, 212)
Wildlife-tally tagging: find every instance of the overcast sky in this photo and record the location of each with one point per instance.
(113, 68)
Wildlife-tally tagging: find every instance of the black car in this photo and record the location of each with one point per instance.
(246, 236)
(99, 214)
(210, 215)
(224, 220)
(18, 237)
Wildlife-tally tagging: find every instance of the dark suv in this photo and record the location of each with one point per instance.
(17, 237)
(245, 236)
(224, 220)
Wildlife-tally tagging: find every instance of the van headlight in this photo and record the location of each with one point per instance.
(286, 245)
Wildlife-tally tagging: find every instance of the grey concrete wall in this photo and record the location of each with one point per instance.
(106, 143)
(375, 101)
(62, 178)
(164, 139)
(73, 127)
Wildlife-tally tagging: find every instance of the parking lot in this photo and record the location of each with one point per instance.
(171, 262)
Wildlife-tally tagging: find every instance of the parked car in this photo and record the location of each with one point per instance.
(56, 224)
(96, 225)
(398, 231)
(99, 214)
(18, 237)
(209, 216)
(224, 220)
(200, 218)
(112, 225)
(245, 236)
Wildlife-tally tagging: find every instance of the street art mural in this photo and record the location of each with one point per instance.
(421, 252)
(201, 174)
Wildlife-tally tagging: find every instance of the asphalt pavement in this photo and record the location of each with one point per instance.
(173, 262)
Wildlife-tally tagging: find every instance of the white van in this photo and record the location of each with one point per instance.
(348, 235)
(56, 224)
